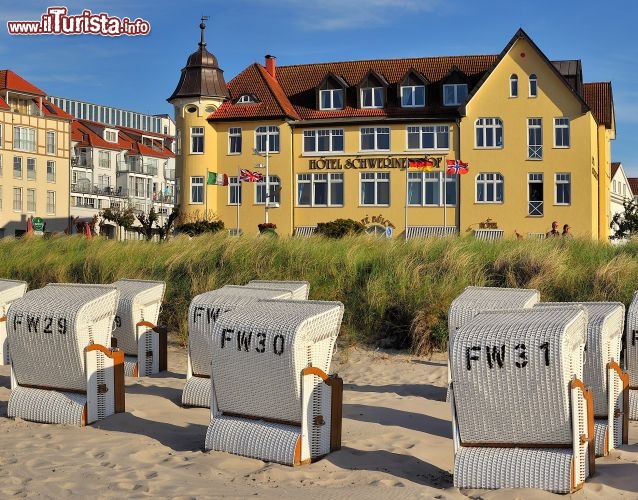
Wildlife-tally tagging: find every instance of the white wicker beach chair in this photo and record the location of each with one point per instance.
(136, 331)
(522, 417)
(62, 367)
(631, 356)
(10, 290)
(602, 372)
(203, 311)
(299, 289)
(271, 396)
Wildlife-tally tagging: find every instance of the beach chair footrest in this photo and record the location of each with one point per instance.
(48, 406)
(197, 392)
(601, 437)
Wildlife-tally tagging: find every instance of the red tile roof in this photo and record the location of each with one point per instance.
(12, 81)
(3, 104)
(633, 184)
(614, 168)
(599, 98)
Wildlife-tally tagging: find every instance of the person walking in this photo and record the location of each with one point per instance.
(554, 232)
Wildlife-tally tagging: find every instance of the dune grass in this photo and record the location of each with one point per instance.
(396, 293)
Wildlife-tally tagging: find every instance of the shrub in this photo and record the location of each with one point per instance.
(340, 228)
(200, 227)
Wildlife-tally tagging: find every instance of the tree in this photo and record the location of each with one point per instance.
(147, 222)
(164, 230)
(122, 217)
(625, 224)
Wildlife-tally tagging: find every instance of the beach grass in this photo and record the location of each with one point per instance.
(396, 293)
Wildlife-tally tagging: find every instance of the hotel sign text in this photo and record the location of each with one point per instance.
(366, 163)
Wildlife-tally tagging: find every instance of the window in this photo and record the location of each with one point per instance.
(178, 142)
(564, 189)
(561, 132)
(110, 135)
(426, 189)
(533, 85)
(234, 191)
(429, 137)
(534, 138)
(1, 166)
(30, 200)
(17, 167)
(197, 140)
(197, 189)
(413, 96)
(323, 140)
(489, 133)
(375, 188)
(50, 142)
(1, 136)
(454, 94)
(104, 159)
(372, 97)
(267, 139)
(535, 194)
(234, 140)
(489, 188)
(17, 199)
(273, 186)
(246, 99)
(24, 138)
(513, 85)
(50, 171)
(50, 202)
(331, 99)
(320, 190)
(31, 169)
(375, 138)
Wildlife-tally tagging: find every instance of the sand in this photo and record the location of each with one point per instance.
(396, 444)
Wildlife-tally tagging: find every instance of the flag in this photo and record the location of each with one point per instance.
(248, 176)
(420, 163)
(215, 179)
(457, 167)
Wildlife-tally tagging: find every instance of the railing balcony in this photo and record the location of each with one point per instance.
(136, 168)
(535, 152)
(81, 161)
(535, 208)
(169, 175)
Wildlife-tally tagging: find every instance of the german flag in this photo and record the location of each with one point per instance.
(420, 163)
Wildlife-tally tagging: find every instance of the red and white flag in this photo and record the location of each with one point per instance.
(248, 176)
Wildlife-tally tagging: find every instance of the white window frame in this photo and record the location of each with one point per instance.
(375, 132)
(562, 125)
(330, 180)
(513, 85)
(31, 172)
(197, 141)
(533, 85)
(197, 182)
(260, 190)
(536, 208)
(111, 135)
(31, 200)
(1, 136)
(234, 140)
(377, 179)
(374, 96)
(234, 191)
(24, 139)
(104, 159)
(535, 151)
(320, 137)
(488, 129)
(178, 142)
(267, 136)
(50, 202)
(458, 97)
(413, 97)
(17, 162)
(17, 199)
(1, 166)
(563, 179)
(51, 146)
(246, 99)
(441, 180)
(330, 93)
(438, 134)
(487, 180)
(50, 171)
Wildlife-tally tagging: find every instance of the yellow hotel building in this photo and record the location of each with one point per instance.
(336, 140)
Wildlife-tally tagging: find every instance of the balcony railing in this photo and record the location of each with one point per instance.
(136, 168)
(169, 175)
(81, 161)
(535, 208)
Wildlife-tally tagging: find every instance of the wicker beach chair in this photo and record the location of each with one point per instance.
(271, 396)
(522, 417)
(203, 311)
(136, 331)
(299, 289)
(631, 356)
(602, 372)
(10, 290)
(62, 367)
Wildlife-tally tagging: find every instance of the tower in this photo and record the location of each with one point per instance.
(200, 91)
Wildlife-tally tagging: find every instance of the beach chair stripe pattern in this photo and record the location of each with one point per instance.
(521, 415)
(429, 231)
(204, 310)
(62, 371)
(298, 289)
(601, 371)
(10, 290)
(631, 356)
(274, 401)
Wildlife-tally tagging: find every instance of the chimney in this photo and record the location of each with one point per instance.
(271, 63)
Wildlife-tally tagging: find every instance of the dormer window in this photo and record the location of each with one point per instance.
(331, 99)
(372, 91)
(246, 99)
(110, 135)
(454, 94)
(412, 90)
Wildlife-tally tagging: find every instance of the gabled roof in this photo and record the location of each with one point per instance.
(599, 98)
(12, 81)
(614, 168)
(3, 104)
(633, 184)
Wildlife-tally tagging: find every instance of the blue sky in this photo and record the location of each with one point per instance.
(139, 73)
